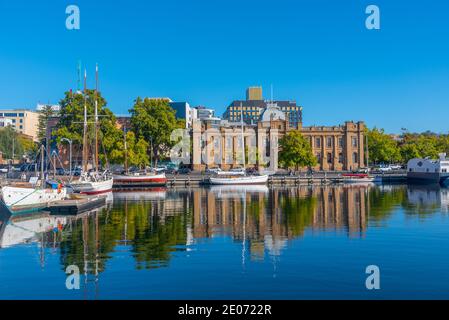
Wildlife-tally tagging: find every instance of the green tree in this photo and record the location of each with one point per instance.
(136, 151)
(296, 151)
(10, 139)
(382, 147)
(71, 123)
(421, 145)
(45, 114)
(154, 120)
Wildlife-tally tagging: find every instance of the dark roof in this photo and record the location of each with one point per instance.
(261, 103)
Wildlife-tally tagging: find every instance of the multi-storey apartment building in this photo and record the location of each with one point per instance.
(252, 108)
(22, 120)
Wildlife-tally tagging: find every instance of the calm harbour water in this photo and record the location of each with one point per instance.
(236, 243)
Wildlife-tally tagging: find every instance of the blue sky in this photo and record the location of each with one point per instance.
(206, 52)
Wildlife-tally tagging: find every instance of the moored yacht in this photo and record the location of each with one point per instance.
(238, 176)
(93, 181)
(34, 195)
(140, 179)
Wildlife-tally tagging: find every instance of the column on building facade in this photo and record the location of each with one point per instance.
(274, 149)
(361, 145)
(196, 136)
(336, 153)
(347, 148)
(324, 165)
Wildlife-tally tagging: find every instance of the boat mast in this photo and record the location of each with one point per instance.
(96, 118)
(243, 138)
(85, 124)
(42, 166)
(126, 149)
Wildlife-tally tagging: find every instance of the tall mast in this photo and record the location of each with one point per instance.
(126, 149)
(85, 152)
(78, 86)
(243, 137)
(42, 166)
(96, 118)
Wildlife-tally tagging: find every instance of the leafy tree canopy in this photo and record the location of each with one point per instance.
(296, 151)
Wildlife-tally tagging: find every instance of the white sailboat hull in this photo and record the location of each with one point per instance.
(15, 197)
(93, 187)
(239, 180)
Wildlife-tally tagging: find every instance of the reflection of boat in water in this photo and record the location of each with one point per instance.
(26, 228)
(428, 196)
(358, 178)
(236, 191)
(150, 194)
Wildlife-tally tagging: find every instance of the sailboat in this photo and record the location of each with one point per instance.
(93, 181)
(239, 179)
(35, 195)
(138, 179)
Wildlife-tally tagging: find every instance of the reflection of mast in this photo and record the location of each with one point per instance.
(96, 255)
(126, 221)
(244, 231)
(85, 252)
(42, 252)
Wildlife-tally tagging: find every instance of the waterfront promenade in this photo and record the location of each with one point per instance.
(200, 178)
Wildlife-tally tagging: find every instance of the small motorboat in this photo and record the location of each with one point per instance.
(358, 178)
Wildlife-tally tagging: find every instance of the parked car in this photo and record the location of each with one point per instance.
(61, 171)
(171, 170)
(4, 170)
(362, 170)
(184, 171)
(76, 172)
(385, 169)
(251, 171)
(396, 166)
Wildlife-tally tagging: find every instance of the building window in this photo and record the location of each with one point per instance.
(354, 141)
(21, 115)
(20, 127)
(318, 157)
(355, 157)
(21, 120)
(329, 142)
(340, 142)
(329, 157)
(340, 157)
(318, 142)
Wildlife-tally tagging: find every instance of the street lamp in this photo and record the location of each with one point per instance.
(70, 155)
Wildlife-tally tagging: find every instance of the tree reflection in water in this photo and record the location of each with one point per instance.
(151, 226)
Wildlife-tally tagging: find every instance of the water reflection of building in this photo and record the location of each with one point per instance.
(341, 208)
(276, 216)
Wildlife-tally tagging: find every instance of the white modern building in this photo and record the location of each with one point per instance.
(5, 122)
(41, 106)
